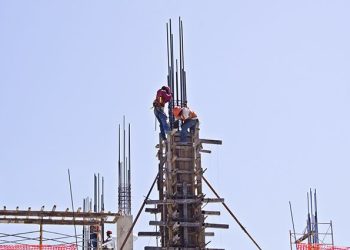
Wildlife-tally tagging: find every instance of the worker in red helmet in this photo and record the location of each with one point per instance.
(163, 96)
(109, 243)
(189, 120)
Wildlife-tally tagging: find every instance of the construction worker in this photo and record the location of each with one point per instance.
(94, 236)
(189, 120)
(109, 243)
(163, 96)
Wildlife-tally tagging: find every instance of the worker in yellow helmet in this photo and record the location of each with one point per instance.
(189, 120)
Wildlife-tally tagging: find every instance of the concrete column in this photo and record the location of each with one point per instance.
(124, 223)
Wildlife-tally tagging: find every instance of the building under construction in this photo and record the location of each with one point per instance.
(182, 224)
(89, 220)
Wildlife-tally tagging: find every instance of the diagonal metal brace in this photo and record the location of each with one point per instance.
(231, 213)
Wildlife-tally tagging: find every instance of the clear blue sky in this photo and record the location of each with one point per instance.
(269, 78)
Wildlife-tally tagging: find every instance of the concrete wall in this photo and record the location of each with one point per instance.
(124, 223)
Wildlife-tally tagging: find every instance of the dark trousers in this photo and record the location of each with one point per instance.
(188, 124)
(161, 117)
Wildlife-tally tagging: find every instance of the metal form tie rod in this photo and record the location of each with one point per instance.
(138, 214)
(231, 213)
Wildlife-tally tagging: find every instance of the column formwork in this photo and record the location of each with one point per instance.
(182, 222)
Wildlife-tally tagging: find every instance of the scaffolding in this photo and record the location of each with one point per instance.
(36, 239)
(316, 235)
(91, 217)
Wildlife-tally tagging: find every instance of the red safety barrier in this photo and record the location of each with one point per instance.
(303, 246)
(38, 247)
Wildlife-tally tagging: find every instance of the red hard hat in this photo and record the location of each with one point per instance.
(109, 232)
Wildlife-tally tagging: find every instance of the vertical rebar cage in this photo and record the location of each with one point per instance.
(182, 220)
(124, 172)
